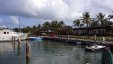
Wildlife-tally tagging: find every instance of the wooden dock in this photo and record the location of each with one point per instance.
(78, 41)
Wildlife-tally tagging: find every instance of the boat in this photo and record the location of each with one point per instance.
(7, 34)
(35, 38)
(94, 48)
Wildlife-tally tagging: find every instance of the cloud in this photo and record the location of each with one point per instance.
(47, 9)
(14, 19)
(53, 9)
(1, 20)
(9, 20)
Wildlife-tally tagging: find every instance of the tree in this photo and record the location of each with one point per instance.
(101, 19)
(34, 27)
(77, 23)
(39, 26)
(61, 24)
(87, 20)
(94, 23)
(54, 25)
(16, 29)
(46, 25)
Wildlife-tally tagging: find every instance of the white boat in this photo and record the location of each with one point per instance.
(35, 38)
(7, 34)
(94, 47)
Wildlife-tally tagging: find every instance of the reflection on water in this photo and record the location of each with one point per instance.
(46, 52)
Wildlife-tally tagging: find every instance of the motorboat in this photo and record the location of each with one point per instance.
(94, 48)
(7, 34)
(35, 38)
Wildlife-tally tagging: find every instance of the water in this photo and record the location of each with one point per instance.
(47, 52)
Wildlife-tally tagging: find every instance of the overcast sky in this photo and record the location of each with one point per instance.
(34, 12)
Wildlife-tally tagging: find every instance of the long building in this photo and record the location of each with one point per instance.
(100, 31)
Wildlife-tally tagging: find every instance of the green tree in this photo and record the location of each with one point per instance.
(61, 24)
(77, 23)
(16, 29)
(54, 25)
(94, 23)
(86, 18)
(39, 26)
(101, 18)
(34, 27)
(46, 25)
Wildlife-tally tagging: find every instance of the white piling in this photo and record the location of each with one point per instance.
(95, 37)
(103, 38)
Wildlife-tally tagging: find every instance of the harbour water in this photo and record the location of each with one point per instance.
(47, 52)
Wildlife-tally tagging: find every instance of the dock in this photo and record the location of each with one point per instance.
(78, 41)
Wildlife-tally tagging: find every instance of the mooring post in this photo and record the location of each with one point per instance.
(95, 37)
(18, 53)
(18, 42)
(103, 38)
(12, 39)
(27, 51)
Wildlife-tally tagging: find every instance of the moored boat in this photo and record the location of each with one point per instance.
(7, 34)
(94, 48)
(35, 38)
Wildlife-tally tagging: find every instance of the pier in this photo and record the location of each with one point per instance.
(78, 41)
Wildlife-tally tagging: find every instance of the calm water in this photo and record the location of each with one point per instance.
(47, 52)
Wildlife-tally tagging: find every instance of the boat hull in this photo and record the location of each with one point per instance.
(94, 48)
(9, 38)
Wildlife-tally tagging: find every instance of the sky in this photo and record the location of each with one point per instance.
(34, 12)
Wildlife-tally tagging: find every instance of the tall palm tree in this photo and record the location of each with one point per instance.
(60, 27)
(101, 18)
(87, 20)
(77, 23)
(46, 25)
(61, 24)
(54, 25)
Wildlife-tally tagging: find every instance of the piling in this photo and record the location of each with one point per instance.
(103, 38)
(12, 39)
(27, 52)
(13, 42)
(19, 43)
(95, 37)
(18, 53)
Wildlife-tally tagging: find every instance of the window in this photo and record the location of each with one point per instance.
(7, 32)
(4, 32)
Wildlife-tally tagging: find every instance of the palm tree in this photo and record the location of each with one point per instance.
(77, 23)
(101, 18)
(94, 22)
(61, 24)
(54, 25)
(39, 26)
(60, 27)
(46, 25)
(87, 20)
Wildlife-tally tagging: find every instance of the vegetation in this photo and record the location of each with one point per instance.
(60, 28)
